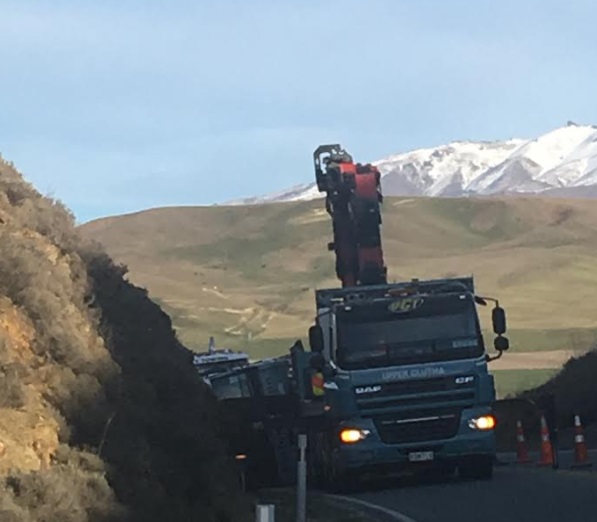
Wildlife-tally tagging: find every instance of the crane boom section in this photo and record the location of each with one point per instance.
(353, 200)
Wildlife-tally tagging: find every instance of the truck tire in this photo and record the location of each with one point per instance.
(337, 481)
(476, 468)
(315, 463)
(341, 483)
(442, 472)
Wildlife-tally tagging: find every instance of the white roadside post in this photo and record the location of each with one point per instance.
(241, 458)
(301, 482)
(265, 513)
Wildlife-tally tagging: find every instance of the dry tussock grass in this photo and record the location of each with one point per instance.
(114, 423)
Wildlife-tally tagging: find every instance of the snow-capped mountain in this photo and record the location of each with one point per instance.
(561, 162)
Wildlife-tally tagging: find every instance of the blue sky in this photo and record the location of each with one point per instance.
(118, 106)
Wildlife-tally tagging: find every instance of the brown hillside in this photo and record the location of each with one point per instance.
(247, 273)
(101, 414)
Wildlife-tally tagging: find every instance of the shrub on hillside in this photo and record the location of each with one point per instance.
(28, 210)
(574, 389)
(73, 490)
(12, 391)
(12, 379)
(180, 444)
(78, 366)
(64, 493)
(112, 375)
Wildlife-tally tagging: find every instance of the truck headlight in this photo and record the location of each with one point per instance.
(353, 435)
(483, 423)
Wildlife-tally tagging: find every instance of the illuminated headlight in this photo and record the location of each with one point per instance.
(483, 423)
(353, 435)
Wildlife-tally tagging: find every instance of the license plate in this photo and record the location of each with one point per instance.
(420, 456)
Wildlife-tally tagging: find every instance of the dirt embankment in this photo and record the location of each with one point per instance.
(101, 415)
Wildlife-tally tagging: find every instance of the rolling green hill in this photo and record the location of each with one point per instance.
(246, 274)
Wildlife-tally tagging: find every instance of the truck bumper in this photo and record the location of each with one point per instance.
(374, 455)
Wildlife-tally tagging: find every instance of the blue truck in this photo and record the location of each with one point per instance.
(405, 379)
(396, 377)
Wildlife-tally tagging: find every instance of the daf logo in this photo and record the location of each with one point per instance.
(464, 380)
(367, 389)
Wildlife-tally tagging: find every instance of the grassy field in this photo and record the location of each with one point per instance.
(246, 274)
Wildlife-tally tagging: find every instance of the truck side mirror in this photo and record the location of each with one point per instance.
(501, 344)
(317, 362)
(498, 318)
(316, 338)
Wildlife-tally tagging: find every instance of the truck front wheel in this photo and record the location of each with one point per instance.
(335, 479)
(476, 468)
(339, 481)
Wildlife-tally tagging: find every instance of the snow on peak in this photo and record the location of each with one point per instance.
(552, 148)
(560, 160)
(442, 170)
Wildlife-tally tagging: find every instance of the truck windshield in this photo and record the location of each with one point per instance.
(436, 328)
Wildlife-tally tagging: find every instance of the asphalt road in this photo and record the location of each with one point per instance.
(524, 493)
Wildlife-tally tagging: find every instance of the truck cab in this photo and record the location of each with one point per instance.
(406, 381)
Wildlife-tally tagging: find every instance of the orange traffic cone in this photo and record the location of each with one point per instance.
(546, 454)
(522, 449)
(581, 455)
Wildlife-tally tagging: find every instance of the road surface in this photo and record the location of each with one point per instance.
(515, 493)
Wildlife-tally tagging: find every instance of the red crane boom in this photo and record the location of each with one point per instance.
(353, 200)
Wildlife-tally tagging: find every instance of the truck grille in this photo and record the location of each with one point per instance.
(418, 428)
(415, 394)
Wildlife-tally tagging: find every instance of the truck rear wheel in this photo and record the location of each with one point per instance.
(315, 462)
(336, 480)
(340, 482)
(476, 468)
